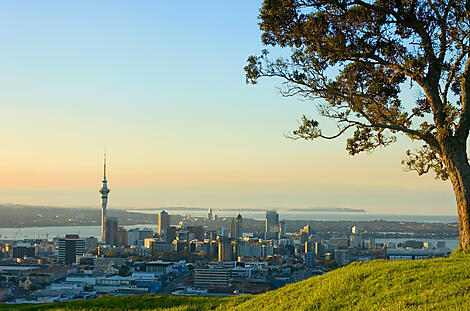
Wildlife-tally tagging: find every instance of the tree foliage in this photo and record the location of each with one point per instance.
(353, 58)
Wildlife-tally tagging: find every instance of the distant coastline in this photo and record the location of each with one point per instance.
(24, 216)
(328, 210)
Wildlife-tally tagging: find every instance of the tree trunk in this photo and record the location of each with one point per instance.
(454, 156)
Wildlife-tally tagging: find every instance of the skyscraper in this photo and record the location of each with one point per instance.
(163, 222)
(236, 227)
(209, 214)
(305, 233)
(272, 225)
(104, 202)
(122, 237)
(111, 230)
(283, 228)
(70, 247)
(91, 243)
(225, 251)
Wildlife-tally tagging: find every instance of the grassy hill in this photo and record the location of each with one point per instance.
(433, 284)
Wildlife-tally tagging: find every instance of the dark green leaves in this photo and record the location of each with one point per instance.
(423, 161)
(357, 56)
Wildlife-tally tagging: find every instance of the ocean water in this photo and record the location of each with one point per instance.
(52, 232)
(305, 215)
(86, 231)
(356, 217)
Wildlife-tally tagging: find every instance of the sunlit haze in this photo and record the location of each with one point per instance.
(161, 85)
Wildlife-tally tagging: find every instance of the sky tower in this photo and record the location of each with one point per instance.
(104, 202)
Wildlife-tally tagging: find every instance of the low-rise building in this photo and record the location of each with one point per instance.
(158, 267)
(212, 278)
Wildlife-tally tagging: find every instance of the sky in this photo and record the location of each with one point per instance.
(161, 85)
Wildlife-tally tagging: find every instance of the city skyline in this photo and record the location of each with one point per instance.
(265, 154)
(181, 125)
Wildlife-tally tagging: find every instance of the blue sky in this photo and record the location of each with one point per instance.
(161, 84)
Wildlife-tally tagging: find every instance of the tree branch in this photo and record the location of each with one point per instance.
(463, 126)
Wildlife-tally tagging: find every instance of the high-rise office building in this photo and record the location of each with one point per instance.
(112, 233)
(104, 201)
(305, 233)
(309, 247)
(236, 227)
(169, 234)
(223, 231)
(340, 257)
(163, 222)
(283, 228)
(133, 236)
(306, 229)
(225, 251)
(70, 247)
(197, 231)
(21, 250)
(272, 225)
(122, 237)
(145, 234)
(91, 243)
(209, 214)
(310, 259)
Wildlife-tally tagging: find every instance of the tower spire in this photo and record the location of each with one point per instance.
(104, 169)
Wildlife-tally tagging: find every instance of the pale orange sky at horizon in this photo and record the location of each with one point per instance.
(169, 100)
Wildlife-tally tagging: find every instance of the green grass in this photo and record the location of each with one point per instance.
(432, 284)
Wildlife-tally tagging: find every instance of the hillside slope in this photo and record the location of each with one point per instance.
(433, 284)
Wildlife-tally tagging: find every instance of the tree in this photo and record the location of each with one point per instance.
(32, 287)
(353, 58)
(124, 270)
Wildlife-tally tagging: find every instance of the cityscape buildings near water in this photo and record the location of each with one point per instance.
(197, 255)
